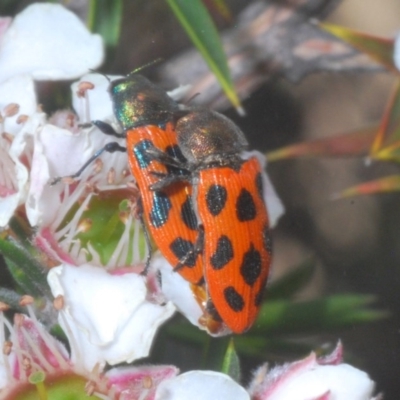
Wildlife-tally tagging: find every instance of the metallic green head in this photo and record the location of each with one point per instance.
(138, 102)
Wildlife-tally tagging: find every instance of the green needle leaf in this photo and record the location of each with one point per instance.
(231, 364)
(384, 185)
(320, 315)
(197, 23)
(105, 18)
(25, 269)
(11, 298)
(379, 48)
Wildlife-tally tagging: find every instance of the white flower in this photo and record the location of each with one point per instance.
(201, 385)
(45, 41)
(20, 119)
(107, 318)
(91, 99)
(190, 300)
(49, 42)
(32, 358)
(139, 383)
(312, 379)
(274, 204)
(61, 151)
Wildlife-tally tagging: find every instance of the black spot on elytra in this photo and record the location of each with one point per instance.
(267, 239)
(181, 248)
(216, 199)
(260, 186)
(188, 215)
(160, 209)
(259, 296)
(245, 206)
(223, 253)
(251, 265)
(210, 307)
(233, 298)
(140, 153)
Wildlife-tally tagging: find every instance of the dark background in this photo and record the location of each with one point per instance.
(356, 241)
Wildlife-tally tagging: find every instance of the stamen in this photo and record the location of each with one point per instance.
(26, 363)
(19, 320)
(22, 118)
(26, 300)
(72, 342)
(104, 396)
(95, 256)
(36, 351)
(69, 200)
(144, 394)
(111, 176)
(7, 174)
(17, 348)
(136, 243)
(147, 384)
(70, 229)
(121, 250)
(90, 387)
(6, 349)
(98, 165)
(58, 302)
(98, 380)
(70, 120)
(82, 93)
(84, 226)
(11, 109)
(83, 87)
(47, 339)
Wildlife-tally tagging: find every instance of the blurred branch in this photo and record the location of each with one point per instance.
(271, 38)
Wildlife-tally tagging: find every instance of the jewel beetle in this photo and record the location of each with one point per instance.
(233, 219)
(146, 115)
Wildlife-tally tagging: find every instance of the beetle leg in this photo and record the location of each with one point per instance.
(109, 148)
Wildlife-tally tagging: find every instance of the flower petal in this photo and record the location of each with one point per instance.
(274, 204)
(106, 317)
(5, 22)
(307, 379)
(201, 385)
(93, 103)
(16, 145)
(177, 290)
(49, 42)
(31, 339)
(139, 382)
(189, 299)
(17, 90)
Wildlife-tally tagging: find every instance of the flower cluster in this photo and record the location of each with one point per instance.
(89, 231)
(34, 362)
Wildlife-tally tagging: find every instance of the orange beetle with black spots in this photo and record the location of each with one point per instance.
(146, 114)
(234, 236)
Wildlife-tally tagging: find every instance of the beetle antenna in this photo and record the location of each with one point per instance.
(141, 68)
(191, 98)
(100, 73)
